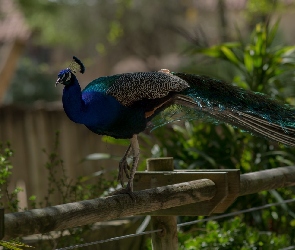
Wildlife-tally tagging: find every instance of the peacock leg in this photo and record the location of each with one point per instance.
(134, 146)
(135, 153)
(124, 167)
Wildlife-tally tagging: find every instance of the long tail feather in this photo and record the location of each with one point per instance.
(244, 109)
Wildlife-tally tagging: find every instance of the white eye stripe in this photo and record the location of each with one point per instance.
(69, 77)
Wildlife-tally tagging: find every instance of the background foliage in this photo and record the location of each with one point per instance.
(120, 28)
(260, 65)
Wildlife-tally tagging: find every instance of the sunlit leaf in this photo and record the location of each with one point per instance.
(14, 245)
(284, 51)
(111, 140)
(229, 54)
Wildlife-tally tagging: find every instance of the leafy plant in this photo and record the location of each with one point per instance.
(68, 190)
(14, 245)
(232, 235)
(59, 184)
(8, 200)
(261, 65)
(258, 65)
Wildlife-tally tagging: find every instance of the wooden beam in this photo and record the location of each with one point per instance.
(224, 182)
(112, 207)
(266, 180)
(102, 209)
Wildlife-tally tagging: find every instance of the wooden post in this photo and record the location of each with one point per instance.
(167, 238)
(1, 223)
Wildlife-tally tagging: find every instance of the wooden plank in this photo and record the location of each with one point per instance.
(33, 168)
(233, 176)
(233, 182)
(144, 180)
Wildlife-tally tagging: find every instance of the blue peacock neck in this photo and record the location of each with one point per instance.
(93, 109)
(73, 103)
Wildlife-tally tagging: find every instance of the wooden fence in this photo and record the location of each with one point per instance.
(29, 130)
(157, 200)
(166, 194)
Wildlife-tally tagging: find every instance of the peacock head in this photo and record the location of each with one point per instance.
(66, 76)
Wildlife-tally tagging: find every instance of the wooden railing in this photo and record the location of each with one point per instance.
(159, 193)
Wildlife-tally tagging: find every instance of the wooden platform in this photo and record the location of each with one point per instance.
(227, 184)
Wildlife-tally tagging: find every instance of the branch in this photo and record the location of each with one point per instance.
(108, 208)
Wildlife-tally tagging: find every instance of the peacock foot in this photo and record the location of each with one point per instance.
(127, 190)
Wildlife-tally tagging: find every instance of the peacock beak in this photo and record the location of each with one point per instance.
(57, 81)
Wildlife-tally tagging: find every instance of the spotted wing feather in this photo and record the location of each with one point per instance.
(132, 87)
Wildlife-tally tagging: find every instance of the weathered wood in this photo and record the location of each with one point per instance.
(86, 212)
(266, 180)
(108, 208)
(145, 180)
(160, 164)
(233, 184)
(167, 238)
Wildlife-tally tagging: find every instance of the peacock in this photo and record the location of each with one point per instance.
(124, 105)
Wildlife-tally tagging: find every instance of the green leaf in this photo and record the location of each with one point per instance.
(212, 51)
(216, 51)
(248, 59)
(14, 245)
(32, 197)
(111, 140)
(284, 51)
(292, 223)
(229, 55)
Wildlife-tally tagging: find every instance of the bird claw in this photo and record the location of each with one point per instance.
(127, 190)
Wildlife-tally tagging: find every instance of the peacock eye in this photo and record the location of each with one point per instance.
(66, 77)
